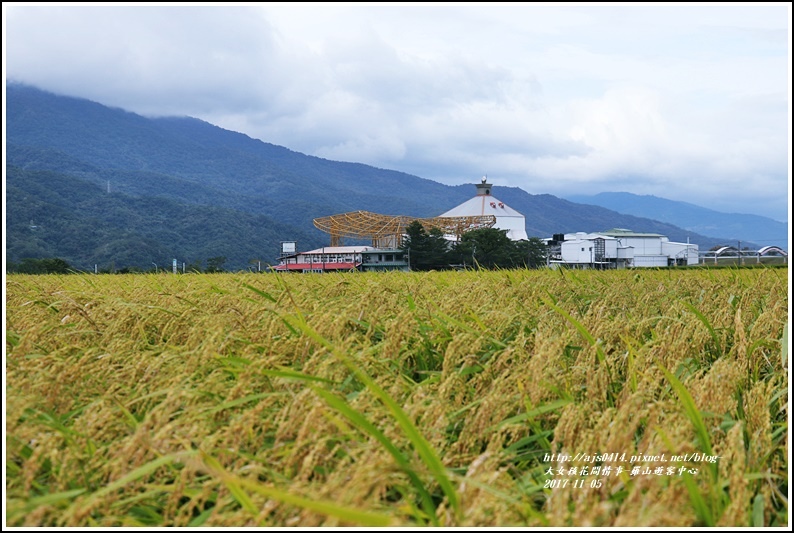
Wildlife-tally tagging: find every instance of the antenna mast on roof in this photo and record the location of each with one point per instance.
(484, 188)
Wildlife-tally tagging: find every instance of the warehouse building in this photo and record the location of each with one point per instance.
(619, 248)
(343, 259)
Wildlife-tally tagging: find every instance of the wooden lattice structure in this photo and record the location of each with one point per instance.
(386, 231)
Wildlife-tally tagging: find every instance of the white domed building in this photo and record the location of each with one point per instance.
(484, 203)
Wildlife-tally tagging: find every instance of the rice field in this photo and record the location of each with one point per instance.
(450, 399)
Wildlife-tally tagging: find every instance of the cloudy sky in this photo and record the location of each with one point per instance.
(686, 102)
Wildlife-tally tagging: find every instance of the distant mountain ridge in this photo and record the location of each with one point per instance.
(736, 227)
(137, 191)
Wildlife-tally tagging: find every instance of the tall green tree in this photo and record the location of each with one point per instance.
(426, 250)
(531, 253)
(492, 248)
(194, 266)
(486, 248)
(215, 264)
(48, 265)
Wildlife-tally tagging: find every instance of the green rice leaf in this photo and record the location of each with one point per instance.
(539, 410)
(137, 474)
(758, 511)
(581, 329)
(292, 374)
(238, 485)
(367, 427)
(690, 409)
(232, 483)
(708, 325)
(260, 292)
(240, 401)
(52, 499)
(698, 503)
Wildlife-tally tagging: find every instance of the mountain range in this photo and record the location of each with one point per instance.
(101, 186)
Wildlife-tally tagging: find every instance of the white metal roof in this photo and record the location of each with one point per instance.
(582, 236)
(339, 250)
(623, 232)
(485, 204)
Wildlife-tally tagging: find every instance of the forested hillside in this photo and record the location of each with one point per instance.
(50, 214)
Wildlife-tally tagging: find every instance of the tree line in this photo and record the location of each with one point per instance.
(484, 248)
(487, 248)
(57, 265)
